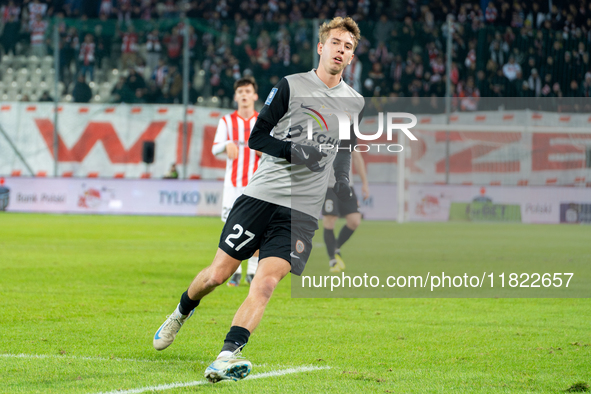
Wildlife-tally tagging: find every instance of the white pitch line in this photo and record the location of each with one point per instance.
(54, 356)
(201, 382)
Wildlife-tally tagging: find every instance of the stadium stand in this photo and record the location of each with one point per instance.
(130, 50)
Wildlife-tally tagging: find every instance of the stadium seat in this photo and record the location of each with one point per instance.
(22, 76)
(68, 174)
(33, 62)
(8, 75)
(41, 174)
(145, 175)
(36, 76)
(119, 175)
(16, 173)
(92, 175)
(47, 62)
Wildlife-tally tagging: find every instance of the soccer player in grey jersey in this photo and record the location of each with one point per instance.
(278, 212)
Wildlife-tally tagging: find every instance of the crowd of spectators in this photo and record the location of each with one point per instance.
(500, 48)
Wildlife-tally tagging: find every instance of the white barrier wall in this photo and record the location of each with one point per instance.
(106, 140)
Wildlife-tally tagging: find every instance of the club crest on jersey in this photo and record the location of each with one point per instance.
(299, 246)
(271, 96)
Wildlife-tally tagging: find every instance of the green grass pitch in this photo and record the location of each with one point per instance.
(81, 298)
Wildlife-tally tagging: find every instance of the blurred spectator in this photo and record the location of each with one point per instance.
(174, 46)
(121, 92)
(586, 86)
(38, 30)
(10, 33)
(81, 92)
(535, 83)
(352, 74)
(10, 11)
(45, 97)
(37, 12)
(136, 84)
(511, 69)
(491, 13)
(172, 173)
(86, 57)
(174, 84)
(69, 48)
(160, 73)
(129, 47)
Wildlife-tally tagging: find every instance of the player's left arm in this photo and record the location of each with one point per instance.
(276, 106)
(342, 165)
(359, 165)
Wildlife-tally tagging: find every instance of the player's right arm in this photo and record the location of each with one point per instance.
(221, 142)
(276, 106)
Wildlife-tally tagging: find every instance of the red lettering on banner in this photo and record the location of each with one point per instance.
(208, 159)
(483, 143)
(179, 142)
(544, 145)
(95, 132)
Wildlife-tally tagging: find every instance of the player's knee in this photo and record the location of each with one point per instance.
(353, 221)
(264, 286)
(217, 277)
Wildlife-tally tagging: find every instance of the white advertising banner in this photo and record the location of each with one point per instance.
(527, 204)
(114, 196)
(382, 203)
(148, 197)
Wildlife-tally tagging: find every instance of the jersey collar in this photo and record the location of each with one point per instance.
(319, 81)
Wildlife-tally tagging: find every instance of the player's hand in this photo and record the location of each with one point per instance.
(365, 191)
(231, 150)
(306, 155)
(342, 189)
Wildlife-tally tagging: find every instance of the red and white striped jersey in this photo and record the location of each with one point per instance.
(38, 29)
(233, 128)
(129, 43)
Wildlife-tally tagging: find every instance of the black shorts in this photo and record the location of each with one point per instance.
(275, 230)
(335, 207)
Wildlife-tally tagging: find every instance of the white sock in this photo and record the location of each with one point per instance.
(239, 270)
(225, 353)
(253, 264)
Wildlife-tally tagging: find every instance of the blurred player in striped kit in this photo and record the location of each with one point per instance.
(231, 139)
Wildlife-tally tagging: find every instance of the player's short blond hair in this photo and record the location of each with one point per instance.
(339, 23)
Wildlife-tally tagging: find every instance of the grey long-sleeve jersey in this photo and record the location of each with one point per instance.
(297, 101)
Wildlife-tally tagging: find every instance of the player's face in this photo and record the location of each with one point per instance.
(245, 96)
(337, 52)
